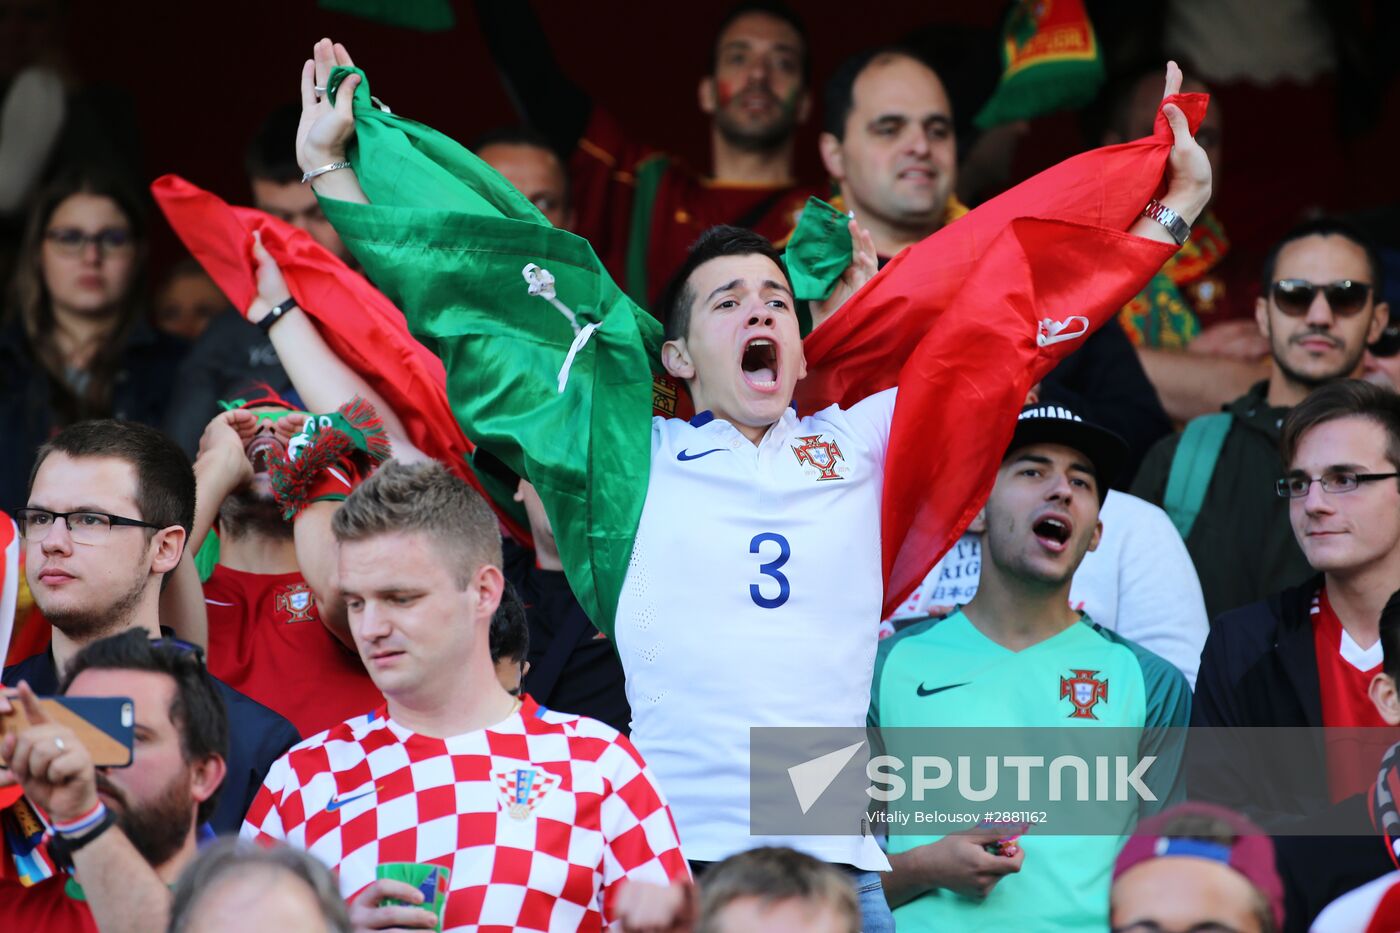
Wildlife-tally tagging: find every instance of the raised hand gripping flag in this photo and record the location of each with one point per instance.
(565, 402)
(359, 324)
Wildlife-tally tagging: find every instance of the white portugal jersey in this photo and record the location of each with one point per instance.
(753, 599)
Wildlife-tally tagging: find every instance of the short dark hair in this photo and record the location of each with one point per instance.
(1344, 398)
(774, 874)
(196, 710)
(1324, 226)
(714, 243)
(510, 631)
(164, 476)
(522, 134)
(776, 9)
(272, 154)
(519, 134)
(1390, 637)
(838, 99)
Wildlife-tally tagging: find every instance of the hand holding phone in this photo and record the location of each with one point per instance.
(46, 758)
(103, 725)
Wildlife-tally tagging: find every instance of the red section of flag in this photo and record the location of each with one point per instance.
(359, 324)
(953, 322)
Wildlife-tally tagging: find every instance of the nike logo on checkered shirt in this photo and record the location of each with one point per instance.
(335, 804)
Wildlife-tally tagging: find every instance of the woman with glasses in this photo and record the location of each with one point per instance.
(75, 344)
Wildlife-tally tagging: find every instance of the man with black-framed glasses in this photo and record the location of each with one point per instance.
(110, 506)
(1319, 311)
(1306, 656)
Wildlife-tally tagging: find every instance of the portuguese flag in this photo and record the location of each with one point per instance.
(556, 382)
(359, 324)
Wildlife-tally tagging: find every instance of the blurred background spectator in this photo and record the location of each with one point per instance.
(236, 885)
(75, 343)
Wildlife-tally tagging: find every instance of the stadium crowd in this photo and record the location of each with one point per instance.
(435, 545)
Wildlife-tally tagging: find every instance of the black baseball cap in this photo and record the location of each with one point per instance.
(1056, 424)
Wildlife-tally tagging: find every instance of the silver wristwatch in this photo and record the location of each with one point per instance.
(1176, 226)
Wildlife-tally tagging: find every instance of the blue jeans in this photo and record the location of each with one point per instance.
(875, 916)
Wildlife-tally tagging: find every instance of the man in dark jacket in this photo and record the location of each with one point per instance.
(1319, 311)
(1308, 656)
(109, 510)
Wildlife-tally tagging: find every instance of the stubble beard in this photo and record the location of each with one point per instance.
(247, 512)
(763, 139)
(1310, 381)
(157, 829)
(85, 624)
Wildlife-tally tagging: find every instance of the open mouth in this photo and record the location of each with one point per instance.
(759, 363)
(1052, 533)
(262, 450)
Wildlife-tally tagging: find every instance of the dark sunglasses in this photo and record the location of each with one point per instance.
(1345, 297)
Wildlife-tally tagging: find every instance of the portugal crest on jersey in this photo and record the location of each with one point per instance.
(1084, 690)
(523, 788)
(824, 455)
(297, 602)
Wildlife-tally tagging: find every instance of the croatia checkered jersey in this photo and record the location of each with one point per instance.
(540, 819)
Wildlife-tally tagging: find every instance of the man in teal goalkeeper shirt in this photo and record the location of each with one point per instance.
(1019, 656)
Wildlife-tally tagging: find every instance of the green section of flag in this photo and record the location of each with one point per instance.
(447, 239)
(423, 15)
(819, 251)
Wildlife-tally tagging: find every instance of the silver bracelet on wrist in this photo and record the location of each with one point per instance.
(329, 167)
(1176, 225)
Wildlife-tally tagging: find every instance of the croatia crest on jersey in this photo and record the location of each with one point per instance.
(1084, 690)
(297, 602)
(523, 788)
(824, 456)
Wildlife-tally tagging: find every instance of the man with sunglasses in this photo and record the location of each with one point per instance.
(1381, 364)
(110, 506)
(1307, 656)
(1319, 312)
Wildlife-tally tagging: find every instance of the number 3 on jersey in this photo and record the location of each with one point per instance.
(771, 569)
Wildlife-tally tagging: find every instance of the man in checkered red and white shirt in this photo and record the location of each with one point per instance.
(543, 818)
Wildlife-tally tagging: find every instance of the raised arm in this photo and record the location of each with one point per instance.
(322, 379)
(1188, 170)
(182, 606)
(325, 130)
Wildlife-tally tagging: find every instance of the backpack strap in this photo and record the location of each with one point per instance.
(1192, 467)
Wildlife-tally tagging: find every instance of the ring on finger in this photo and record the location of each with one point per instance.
(59, 742)
(319, 89)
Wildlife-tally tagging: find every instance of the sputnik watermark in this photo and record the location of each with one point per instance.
(1100, 778)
